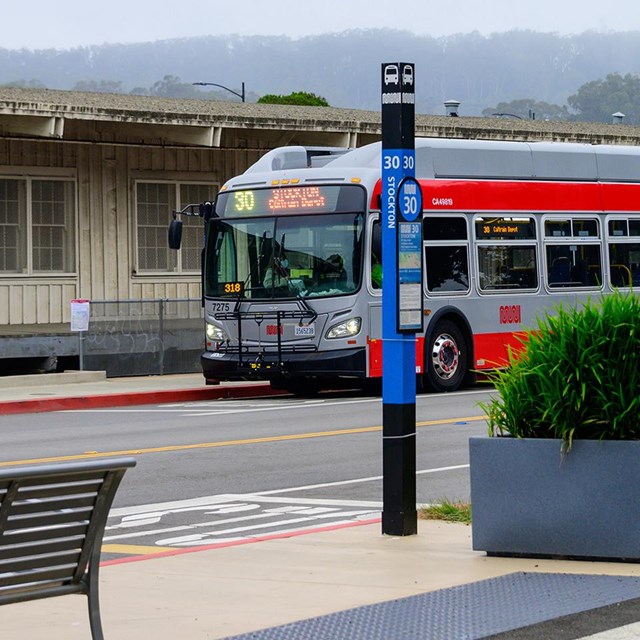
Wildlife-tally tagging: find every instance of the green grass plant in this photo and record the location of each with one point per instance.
(578, 375)
(448, 511)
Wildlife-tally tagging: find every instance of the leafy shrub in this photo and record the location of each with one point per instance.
(578, 376)
(300, 98)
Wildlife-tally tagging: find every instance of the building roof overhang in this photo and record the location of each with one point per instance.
(105, 118)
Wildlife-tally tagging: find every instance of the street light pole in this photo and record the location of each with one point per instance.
(215, 84)
(512, 115)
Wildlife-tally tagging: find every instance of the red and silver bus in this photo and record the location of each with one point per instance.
(292, 275)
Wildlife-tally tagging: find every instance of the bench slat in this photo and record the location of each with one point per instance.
(62, 573)
(90, 485)
(49, 491)
(67, 529)
(42, 506)
(41, 546)
(49, 477)
(36, 592)
(48, 519)
(39, 561)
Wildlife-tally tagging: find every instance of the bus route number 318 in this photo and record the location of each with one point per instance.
(233, 287)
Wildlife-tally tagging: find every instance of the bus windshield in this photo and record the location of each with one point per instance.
(289, 256)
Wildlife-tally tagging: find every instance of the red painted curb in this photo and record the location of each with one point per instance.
(40, 405)
(238, 543)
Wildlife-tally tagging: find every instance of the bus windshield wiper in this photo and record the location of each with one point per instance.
(240, 297)
(301, 299)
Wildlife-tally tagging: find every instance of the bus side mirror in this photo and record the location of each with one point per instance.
(207, 211)
(175, 234)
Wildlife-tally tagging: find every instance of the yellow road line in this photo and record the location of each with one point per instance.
(88, 455)
(134, 549)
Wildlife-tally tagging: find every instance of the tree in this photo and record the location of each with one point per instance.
(527, 108)
(25, 84)
(297, 97)
(173, 87)
(598, 100)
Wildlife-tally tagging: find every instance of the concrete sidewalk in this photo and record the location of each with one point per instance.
(92, 389)
(237, 589)
(433, 583)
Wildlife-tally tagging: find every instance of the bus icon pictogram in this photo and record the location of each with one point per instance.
(391, 74)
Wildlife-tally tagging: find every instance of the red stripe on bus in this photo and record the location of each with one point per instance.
(375, 356)
(491, 350)
(509, 195)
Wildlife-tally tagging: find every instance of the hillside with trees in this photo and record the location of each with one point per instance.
(554, 76)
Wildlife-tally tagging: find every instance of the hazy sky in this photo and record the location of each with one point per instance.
(39, 24)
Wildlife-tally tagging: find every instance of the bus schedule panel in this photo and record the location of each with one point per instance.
(291, 200)
(410, 277)
(409, 238)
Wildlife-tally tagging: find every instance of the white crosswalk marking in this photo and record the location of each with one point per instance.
(228, 517)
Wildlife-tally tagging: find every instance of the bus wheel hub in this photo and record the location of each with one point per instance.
(445, 356)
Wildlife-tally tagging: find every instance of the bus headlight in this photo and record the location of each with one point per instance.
(345, 329)
(216, 333)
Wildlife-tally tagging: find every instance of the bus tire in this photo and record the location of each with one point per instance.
(446, 358)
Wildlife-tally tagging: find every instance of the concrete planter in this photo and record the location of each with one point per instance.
(529, 499)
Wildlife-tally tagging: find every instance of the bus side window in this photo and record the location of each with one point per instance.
(446, 254)
(376, 256)
(572, 249)
(624, 252)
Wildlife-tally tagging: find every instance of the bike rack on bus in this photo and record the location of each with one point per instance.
(255, 356)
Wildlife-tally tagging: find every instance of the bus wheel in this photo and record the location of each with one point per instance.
(446, 358)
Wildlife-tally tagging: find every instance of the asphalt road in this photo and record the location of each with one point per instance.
(215, 471)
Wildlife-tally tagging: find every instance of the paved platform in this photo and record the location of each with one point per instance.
(478, 610)
(92, 389)
(342, 583)
(441, 589)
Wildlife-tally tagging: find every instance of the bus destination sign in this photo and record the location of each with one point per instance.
(290, 200)
(504, 228)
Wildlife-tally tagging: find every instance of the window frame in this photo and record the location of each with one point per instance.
(175, 185)
(26, 268)
(610, 239)
(465, 243)
(509, 243)
(568, 241)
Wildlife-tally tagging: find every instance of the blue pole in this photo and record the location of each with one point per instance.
(399, 514)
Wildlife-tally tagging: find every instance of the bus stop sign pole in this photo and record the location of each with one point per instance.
(401, 204)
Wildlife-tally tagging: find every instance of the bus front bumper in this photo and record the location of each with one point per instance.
(350, 363)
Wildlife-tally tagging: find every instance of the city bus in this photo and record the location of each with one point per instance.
(292, 264)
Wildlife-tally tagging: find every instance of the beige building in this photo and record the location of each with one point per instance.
(88, 182)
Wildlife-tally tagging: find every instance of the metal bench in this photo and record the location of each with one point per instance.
(52, 519)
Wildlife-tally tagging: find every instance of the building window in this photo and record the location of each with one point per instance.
(37, 226)
(154, 203)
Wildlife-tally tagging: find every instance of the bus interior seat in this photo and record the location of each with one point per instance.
(621, 276)
(560, 272)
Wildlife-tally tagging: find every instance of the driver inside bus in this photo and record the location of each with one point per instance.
(277, 275)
